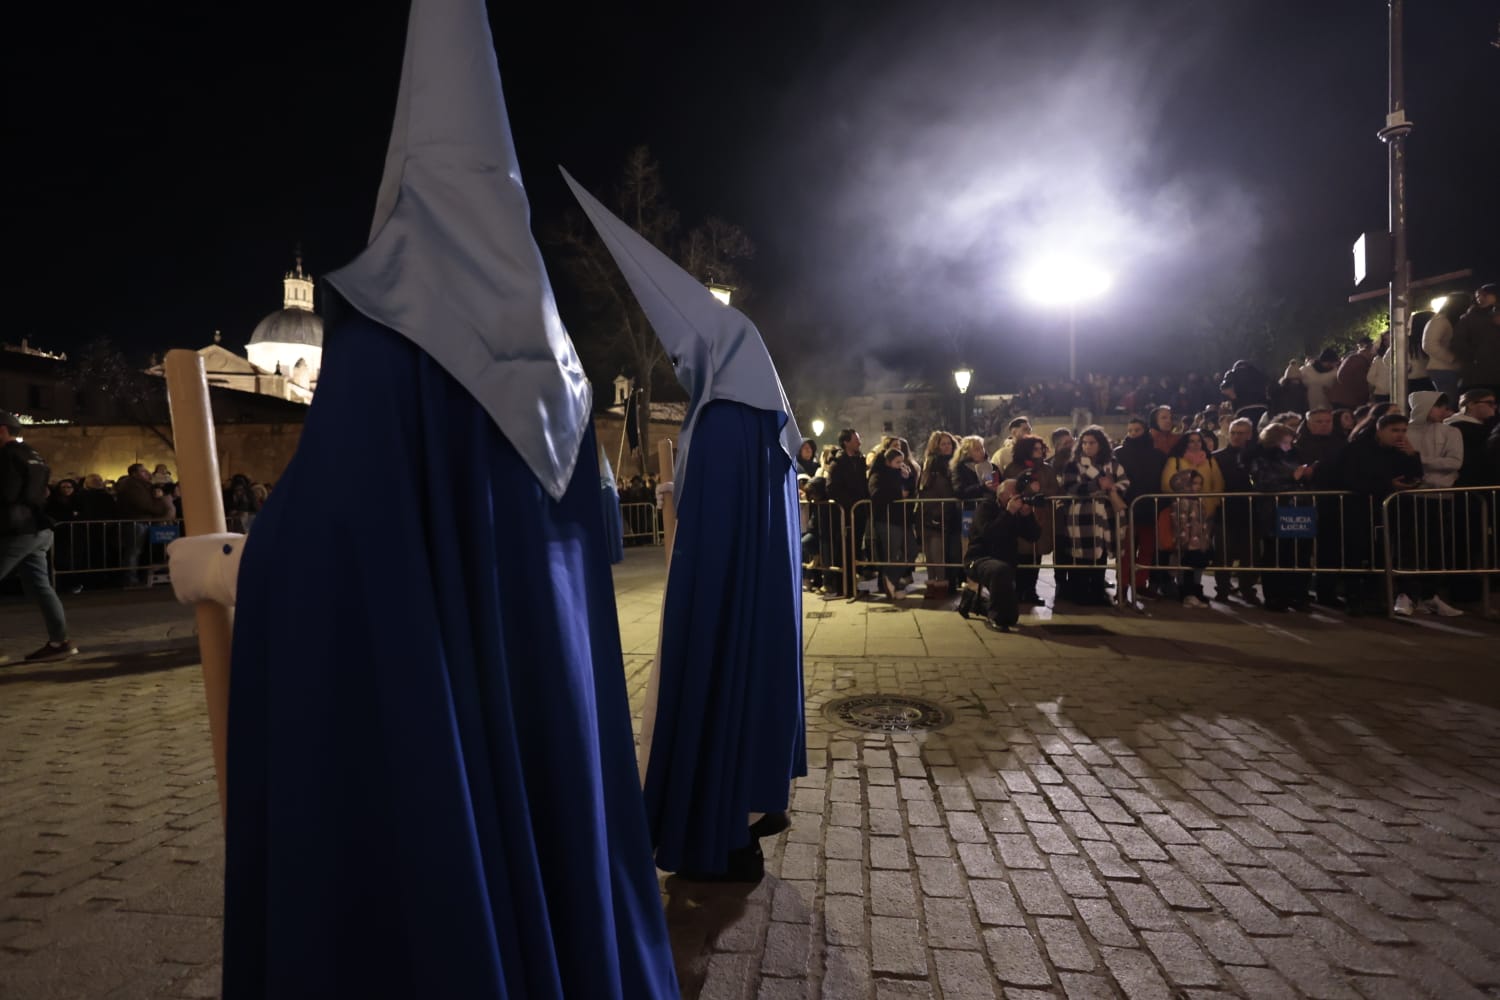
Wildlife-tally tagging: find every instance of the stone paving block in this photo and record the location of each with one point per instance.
(962, 975)
(793, 901)
(1228, 848)
(922, 814)
(787, 948)
(896, 989)
(1480, 968)
(1075, 877)
(1177, 889)
(730, 977)
(1248, 911)
(1136, 974)
(1107, 857)
(995, 903)
(844, 921)
(1303, 964)
(950, 924)
(1184, 962)
(1142, 907)
(979, 861)
(967, 828)
(1269, 885)
(931, 841)
(1065, 946)
(891, 894)
(1400, 875)
(1104, 924)
(1002, 817)
(1344, 950)
(843, 843)
(1223, 939)
(889, 852)
(783, 989)
(1137, 844)
(1039, 894)
(1014, 955)
(1262, 983)
(886, 823)
(1085, 826)
(845, 877)
(1384, 897)
(745, 932)
(896, 946)
(1018, 851)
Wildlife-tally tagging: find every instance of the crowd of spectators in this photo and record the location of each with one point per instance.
(1322, 433)
(102, 527)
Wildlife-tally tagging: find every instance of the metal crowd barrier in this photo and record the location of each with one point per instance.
(1438, 532)
(642, 523)
(111, 553)
(824, 551)
(921, 531)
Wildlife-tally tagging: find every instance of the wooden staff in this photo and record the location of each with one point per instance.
(203, 514)
(668, 500)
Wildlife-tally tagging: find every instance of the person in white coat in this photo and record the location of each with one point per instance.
(1437, 343)
(1318, 375)
(1441, 447)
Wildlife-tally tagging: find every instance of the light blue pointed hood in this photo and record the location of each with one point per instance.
(451, 263)
(717, 352)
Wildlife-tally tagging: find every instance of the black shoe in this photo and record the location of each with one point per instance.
(966, 602)
(770, 825)
(53, 651)
(995, 626)
(746, 864)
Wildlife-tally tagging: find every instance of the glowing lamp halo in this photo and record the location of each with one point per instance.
(1062, 279)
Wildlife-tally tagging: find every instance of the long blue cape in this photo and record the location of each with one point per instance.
(431, 780)
(729, 734)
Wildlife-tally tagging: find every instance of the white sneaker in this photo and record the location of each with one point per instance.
(1438, 606)
(1403, 606)
(1191, 601)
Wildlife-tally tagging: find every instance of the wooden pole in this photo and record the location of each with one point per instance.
(668, 501)
(203, 514)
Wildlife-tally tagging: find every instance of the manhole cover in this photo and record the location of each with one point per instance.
(1075, 630)
(888, 713)
(818, 614)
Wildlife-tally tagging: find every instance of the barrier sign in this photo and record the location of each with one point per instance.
(161, 534)
(1296, 522)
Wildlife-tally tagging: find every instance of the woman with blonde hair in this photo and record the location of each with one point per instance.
(942, 521)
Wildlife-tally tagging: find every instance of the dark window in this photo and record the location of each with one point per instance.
(889, 427)
(911, 404)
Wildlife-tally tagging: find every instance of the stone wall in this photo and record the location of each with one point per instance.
(260, 451)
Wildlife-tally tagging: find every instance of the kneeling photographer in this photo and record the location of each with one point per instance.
(1001, 523)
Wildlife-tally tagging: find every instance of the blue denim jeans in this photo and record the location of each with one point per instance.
(27, 554)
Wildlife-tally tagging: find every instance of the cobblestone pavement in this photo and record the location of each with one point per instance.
(1194, 804)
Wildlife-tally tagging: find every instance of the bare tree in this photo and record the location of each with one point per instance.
(100, 375)
(617, 329)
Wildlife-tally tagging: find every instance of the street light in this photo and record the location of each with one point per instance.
(1065, 280)
(961, 377)
(817, 426)
(720, 292)
(1438, 303)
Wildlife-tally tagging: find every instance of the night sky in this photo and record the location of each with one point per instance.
(894, 162)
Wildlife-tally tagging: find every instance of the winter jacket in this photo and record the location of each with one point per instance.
(134, 502)
(846, 480)
(1318, 382)
(1437, 344)
(1477, 469)
(1441, 446)
(997, 534)
(807, 466)
(1044, 509)
(1352, 387)
(1476, 345)
(970, 479)
(1190, 515)
(1143, 464)
(1213, 479)
(1322, 450)
(1248, 382)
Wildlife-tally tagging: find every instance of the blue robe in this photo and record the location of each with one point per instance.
(614, 519)
(431, 783)
(729, 734)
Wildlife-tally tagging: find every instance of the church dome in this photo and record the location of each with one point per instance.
(290, 326)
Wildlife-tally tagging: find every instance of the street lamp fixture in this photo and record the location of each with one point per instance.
(1065, 280)
(720, 292)
(961, 377)
(817, 428)
(1438, 303)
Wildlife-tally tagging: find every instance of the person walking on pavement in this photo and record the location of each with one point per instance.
(26, 535)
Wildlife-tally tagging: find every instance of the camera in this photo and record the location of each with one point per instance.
(1024, 482)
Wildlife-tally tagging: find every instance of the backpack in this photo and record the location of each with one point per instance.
(26, 478)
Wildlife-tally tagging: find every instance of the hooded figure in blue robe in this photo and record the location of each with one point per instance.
(430, 787)
(723, 733)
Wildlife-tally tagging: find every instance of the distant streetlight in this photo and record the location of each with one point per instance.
(961, 378)
(1438, 303)
(720, 292)
(1068, 281)
(817, 426)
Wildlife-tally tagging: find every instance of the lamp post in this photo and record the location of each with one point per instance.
(961, 377)
(817, 428)
(1069, 280)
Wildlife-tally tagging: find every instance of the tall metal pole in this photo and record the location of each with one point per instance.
(1394, 135)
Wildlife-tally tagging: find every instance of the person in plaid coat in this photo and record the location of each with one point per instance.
(1097, 484)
